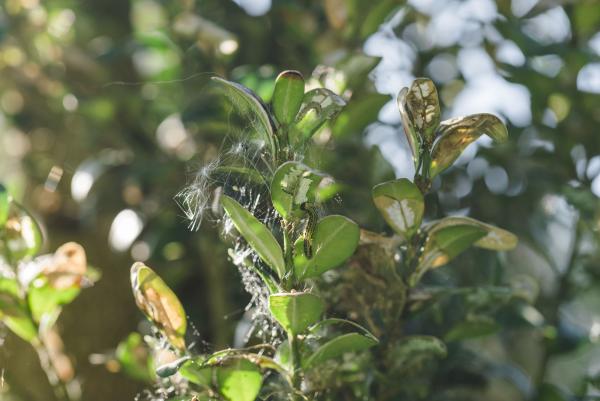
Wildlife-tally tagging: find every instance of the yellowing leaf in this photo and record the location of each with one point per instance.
(458, 133)
(159, 303)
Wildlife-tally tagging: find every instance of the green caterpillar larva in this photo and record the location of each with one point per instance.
(309, 228)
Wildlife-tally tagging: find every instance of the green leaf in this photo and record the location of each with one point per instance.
(13, 311)
(444, 244)
(287, 96)
(401, 204)
(358, 114)
(456, 134)
(134, 357)
(335, 239)
(496, 239)
(318, 106)
(351, 342)
(472, 328)
(159, 303)
(256, 234)
(4, 205)
(195, 371)
(22, 235)
(250, 105)
(294, 184)
(46, 300)
(296, 311)
(239, 380)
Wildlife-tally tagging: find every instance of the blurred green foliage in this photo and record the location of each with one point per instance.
(107, 113)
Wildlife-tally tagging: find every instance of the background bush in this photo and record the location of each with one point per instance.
(107, 113)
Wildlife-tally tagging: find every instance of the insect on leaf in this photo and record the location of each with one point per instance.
(294, 184)
(334, 240)
(456, 134)
(256, 234)
(159, 303)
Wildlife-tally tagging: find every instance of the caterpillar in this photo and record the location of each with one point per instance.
(309, 228)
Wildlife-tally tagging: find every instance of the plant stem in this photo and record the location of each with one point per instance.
(296, 367)
(60, 388)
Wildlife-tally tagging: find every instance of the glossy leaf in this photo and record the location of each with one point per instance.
(420, 109)
(294, 184)
(22, 235)
(401, 204)
(351, 342)
(256, 234)
(442, 245)
(239, 380)
(249, 104)
(412, 136)
(495, 239)
(335, 239)
(287, 96)
(296, 311)
(456, 134)
(159, 303)
(318, 106)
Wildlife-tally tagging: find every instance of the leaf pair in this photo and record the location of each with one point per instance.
(302, 114)
(237, 377)
(443, 142)
(449, 237)
(296, 113)
(335, 239)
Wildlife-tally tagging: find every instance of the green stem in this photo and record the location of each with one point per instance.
(296, 366)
